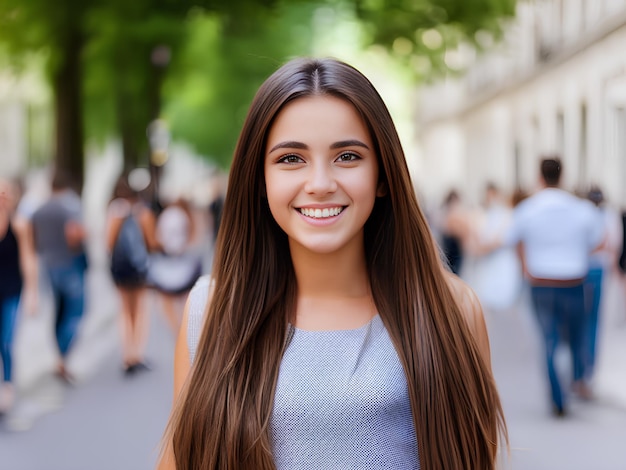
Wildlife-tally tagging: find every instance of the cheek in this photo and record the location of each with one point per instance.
(278, 193)
(364, 186)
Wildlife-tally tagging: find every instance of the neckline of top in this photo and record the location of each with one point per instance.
(374, 319)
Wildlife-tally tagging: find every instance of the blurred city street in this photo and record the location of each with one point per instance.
(110, 421)
(105, 420)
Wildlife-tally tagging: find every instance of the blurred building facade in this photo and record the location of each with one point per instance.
(555, 84)
(12, 131)
(25, 122)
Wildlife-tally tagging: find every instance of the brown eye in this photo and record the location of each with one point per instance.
(290, 159)
(348, 157)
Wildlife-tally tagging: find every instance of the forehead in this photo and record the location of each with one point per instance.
(315, 117)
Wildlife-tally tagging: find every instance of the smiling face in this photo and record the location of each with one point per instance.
(321, 174)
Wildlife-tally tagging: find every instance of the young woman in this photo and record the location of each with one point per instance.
(130, 280)
(331, 336)
(174, 272)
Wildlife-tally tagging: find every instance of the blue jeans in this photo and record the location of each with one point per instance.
(68, 289)
(593, 293)
(8, 312)
(561, 315)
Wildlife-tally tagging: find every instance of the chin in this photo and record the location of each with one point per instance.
(322, 247)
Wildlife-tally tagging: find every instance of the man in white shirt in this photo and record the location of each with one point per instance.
(557, 232)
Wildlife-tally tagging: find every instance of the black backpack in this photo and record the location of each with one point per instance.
(129, 258)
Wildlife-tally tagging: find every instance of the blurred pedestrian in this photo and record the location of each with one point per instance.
(331, 335)
(558, 232)
(498, 276)
(175, 270)
(215, 208)
(59, 239)
(454, 230)
(601, 262)
(621, 259)
(130, 236)
(18, 282)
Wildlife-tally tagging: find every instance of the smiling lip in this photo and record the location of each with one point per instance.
(320, 216)
(321, 212)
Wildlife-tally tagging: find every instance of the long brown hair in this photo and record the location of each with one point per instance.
(221, 419)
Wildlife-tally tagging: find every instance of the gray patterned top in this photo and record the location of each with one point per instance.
(341, 400)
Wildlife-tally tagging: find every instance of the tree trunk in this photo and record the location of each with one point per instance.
(128, 133)
(67, 87)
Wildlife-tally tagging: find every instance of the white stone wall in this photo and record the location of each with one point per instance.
(13, 143)
(18, 94)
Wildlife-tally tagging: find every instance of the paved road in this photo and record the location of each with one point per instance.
(108, 421)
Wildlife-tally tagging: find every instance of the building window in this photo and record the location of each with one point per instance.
(582, 151)
(560, 133)
(517, 165)
(620, 146)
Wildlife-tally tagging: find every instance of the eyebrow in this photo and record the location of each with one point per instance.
(349, 143)
(292, 144)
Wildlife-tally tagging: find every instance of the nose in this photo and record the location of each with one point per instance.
(320, 179)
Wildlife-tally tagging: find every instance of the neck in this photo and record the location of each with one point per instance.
(333, 289)
(546, 185)
(337, 274)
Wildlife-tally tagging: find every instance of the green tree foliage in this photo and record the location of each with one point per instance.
(213, 80)
(421, 32)
(131, 48)
(226, 58)
(388, 20)
(113, 42)
(125, 61)
(56, 30)
(100, 58)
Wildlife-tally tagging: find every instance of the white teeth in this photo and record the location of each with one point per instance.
(321, 213)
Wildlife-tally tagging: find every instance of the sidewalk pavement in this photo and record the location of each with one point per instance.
(591, 435)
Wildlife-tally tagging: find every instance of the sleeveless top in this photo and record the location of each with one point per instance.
(10, 272)
(341, 399)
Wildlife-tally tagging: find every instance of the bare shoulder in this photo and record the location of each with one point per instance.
(472, 310)
(189, 334)
(197, 301)
(466, 299)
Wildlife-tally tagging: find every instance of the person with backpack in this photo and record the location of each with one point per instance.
(130, 236)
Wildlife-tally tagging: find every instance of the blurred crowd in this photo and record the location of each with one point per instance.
(558, 247)
(151, 242)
